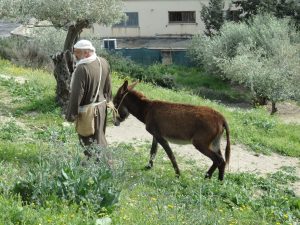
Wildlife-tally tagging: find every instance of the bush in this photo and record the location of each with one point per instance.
(263, 56)
(157, 74)
(161, 75)
(208, 51)
(126, 67)
(64, 175)
(33, 52)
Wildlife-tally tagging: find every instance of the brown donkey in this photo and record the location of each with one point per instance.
(178, 123)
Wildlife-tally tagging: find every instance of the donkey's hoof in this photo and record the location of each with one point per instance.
(207, 176)
(148, 167)
(177, 175)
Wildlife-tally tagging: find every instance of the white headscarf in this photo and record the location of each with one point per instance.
(84, 45)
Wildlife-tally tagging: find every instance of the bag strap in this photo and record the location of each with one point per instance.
(99, 81)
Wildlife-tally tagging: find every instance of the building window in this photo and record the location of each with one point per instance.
(132, 20)
(182, 17)
(109, 44)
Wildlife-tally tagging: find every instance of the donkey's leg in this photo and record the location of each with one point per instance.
(153, 152)
(221, 167)
(217, 159)
(169, 152)
(211, 170)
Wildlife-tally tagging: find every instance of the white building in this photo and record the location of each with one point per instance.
(157, 25)
(157, 18)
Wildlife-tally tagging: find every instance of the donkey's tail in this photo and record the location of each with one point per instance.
(227, 149)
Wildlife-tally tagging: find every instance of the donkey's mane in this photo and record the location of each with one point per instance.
(139, 95)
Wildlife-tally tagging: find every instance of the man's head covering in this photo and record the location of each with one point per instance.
(84, 44)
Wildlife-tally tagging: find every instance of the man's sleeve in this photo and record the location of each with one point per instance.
(77, 91)
(108, 86)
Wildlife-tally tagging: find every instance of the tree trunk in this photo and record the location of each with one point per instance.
(274, 109)
(64, 64)
(73, 34)
(62, 74)
(259, 100)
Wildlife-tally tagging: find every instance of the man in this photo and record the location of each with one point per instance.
(84, 85)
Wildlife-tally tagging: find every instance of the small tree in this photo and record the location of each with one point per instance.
(278, 8)
(273, 77)
(212, 16)
(72, 15)
(262, 54)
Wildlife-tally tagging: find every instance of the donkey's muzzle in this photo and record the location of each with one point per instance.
(117, 122)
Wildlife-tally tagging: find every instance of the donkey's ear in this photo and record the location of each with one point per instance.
(132, 85)
(124, 87)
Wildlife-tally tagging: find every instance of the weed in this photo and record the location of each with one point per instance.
(10, 130)
(89, 184)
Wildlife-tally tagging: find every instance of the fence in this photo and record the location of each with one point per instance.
(147, 56)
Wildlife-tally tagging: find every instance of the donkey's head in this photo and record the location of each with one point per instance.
(119, 103)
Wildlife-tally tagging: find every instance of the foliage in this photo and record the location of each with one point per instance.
(263, 56)
(65, 12)
(73, 15)
(33, 52)
(15, 212)
(89, 185)
(10, 130)
(212, 16)
(24, 52)
(206, 51)
(273, 77)
(280, 9)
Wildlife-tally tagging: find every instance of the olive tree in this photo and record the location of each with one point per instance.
(278, 8)
(275, 77)
(262, 54)
(72, 15)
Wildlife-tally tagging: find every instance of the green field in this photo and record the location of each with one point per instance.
(43, 179)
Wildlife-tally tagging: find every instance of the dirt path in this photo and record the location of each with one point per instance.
(132, 131)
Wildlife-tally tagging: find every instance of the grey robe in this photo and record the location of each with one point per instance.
(83, 91)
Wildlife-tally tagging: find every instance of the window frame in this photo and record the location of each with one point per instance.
(124, 23)
(191, 19)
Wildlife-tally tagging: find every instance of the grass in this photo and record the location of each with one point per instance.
(156, 197)
(40, 155)
(207, 86)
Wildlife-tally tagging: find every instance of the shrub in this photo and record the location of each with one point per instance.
(33, 52)
(126, 67)
(10, 130)
(263, 56)
(273, 77)
(63, 175)
(161, 75)
(207, 51)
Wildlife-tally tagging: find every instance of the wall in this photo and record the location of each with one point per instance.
(154, 21)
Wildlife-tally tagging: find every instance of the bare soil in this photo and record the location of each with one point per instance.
(288, 112)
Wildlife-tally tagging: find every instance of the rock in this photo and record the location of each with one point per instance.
(104, 221)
